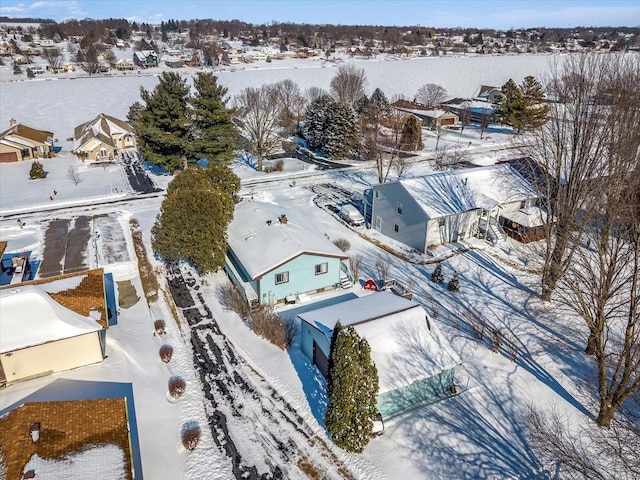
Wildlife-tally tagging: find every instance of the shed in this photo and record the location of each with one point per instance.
(415, 361)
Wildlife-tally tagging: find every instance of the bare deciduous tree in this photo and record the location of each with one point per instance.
(448, 158)
(73, 174)
(258, 115)
(355, 263)
(53, 56)
(313, 93)
(292, 103)
(595, 453)
(431, 95)
(348, 84)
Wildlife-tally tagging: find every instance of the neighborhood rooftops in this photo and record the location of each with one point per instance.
(264, 236)
(456, 191)
(19, 135)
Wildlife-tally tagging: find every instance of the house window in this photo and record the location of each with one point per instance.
(396, 228)
(523, 204)
(377, 194)
(282, 278)
(322, 268)
(441, 222)
(399, 208)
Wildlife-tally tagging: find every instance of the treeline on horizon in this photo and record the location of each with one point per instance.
(304, 32)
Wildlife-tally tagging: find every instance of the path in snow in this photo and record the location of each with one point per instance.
(65, 245)
(261, 433)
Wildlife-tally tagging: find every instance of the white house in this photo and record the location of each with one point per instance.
(448, 206)
(415, 362)
(274, 254)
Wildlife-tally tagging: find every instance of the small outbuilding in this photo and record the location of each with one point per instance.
(415, 362)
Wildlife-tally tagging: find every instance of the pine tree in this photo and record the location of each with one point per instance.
(454, 283)
(352, 387)
(340, 131)
(36, 171)
(510, 109)
(213, 131)
(315, 118)
(411, 138)
(194, 216)
(437, 275)
(522, 106)
(162, 124)
(535, 112)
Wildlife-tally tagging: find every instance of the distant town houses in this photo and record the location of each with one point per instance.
(145, 59)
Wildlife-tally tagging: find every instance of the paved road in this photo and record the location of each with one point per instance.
(137, 175)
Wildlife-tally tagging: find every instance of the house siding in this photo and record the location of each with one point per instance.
(308, 335)
(412, 222)
(52, 357)
(302, 278)
(456, 227)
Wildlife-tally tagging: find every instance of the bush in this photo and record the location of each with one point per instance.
(279, 165)
(231, 298)
(268, 324)
(177, 386)
(342, 243)
(37, 171)
(160, 327)
(166, 352)
(190, 435)
(454, 283)
(437, 275)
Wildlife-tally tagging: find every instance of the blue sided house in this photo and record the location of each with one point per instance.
(275, 255)
(415, 361)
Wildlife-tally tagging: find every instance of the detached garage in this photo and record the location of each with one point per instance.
(415, 362)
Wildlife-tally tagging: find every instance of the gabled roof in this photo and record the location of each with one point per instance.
(485, 90)
(261, 243)
(20, 131)
(103, 128)
(456, 191)
(405, 346)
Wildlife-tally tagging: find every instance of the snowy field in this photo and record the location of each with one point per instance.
(477, 434)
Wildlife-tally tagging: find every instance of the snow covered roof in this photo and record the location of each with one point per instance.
(27, 136)
(405, 346)
(31, 317)
(103, 128)
(456, 191)
(262, 243)
(527, 217)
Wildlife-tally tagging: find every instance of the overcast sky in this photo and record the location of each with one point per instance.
(499, 14)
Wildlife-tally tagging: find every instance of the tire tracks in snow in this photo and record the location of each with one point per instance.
(263, 436)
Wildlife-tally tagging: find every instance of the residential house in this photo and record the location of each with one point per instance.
(415, 362)
(68, 439)
(52, 325)
(274, 255)
(430, 118)
(448, 206)
(124, 64)
(172, 61)
(489, 94)
(145, 58)
(473, 111)
(101, 139)
(20, 142)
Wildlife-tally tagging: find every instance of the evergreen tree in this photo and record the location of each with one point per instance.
(36, 171)
(437, 275)
(194, 216)
(340, 134)
(315, 118)
(522, 106)
(454, 283)
(162, 124)
(352, 387)
(213, 132)
(411, 138)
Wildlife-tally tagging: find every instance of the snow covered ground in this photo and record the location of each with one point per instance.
(477, 434)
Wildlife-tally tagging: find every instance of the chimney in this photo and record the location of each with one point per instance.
(283, 219)
(12, 122)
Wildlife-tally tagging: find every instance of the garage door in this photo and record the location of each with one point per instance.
(418, 393)
(447, 121)
(8, 157)
(320, 360)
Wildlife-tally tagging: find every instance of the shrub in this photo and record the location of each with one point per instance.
(437, 275)
(454, 283)
(496, 340)
(279, 165)
(477, 324)
(355, 262)
(190, 435)
(160, 327)
(177, 386)
(268, 324)
(342, 243)
(166, 352)
(37, 171)
(231, 298)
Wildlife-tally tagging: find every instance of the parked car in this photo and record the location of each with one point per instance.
(351, 215)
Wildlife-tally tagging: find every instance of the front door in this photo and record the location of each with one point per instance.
(379, 224)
